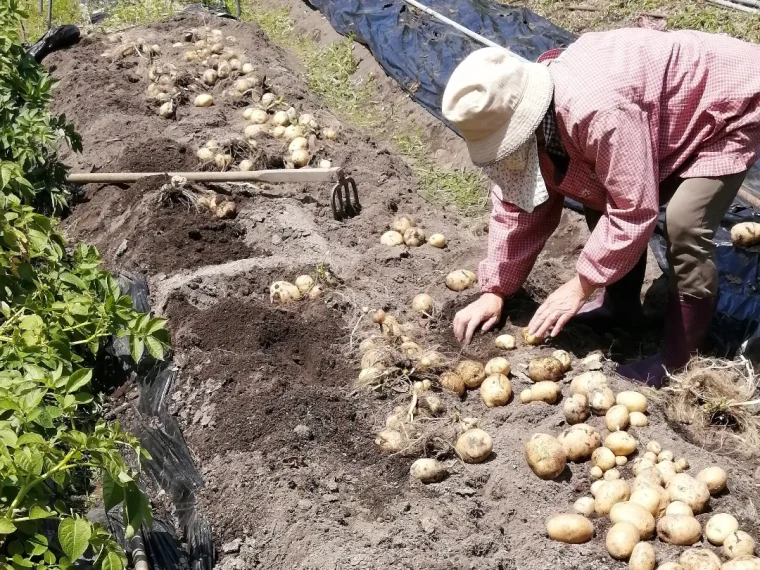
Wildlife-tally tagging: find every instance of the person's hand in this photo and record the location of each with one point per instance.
(486, 311)
(560, 307)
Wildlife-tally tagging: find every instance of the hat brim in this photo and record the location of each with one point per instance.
(527, 117)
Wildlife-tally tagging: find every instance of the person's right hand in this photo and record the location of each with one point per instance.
(486, 311)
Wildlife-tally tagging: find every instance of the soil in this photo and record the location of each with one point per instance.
(266, 394)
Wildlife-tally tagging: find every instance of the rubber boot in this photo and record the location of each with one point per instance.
(687, 321)
(619, 304)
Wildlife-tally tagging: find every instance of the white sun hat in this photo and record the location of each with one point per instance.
(497, 101)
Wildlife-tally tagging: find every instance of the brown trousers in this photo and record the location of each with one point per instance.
(695, 208)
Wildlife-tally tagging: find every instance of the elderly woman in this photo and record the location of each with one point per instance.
(622, 122)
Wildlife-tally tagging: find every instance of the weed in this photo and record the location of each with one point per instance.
(34, 24)
(126, 13)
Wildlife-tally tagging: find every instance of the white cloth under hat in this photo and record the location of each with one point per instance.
(497, 101)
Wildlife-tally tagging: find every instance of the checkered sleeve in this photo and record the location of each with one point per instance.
(619, 143)
(515, 238)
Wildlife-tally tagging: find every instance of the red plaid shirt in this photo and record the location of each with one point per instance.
(633, 107)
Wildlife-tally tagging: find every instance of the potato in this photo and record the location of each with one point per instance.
(411, 349)
(209, 77)
(531, 339)
(693, 492)
(719, 527)
(682, 464)
(649, 477)
(370, 375)
(166, 111)
(298, 143)
(564, 357)
(324, 163)
(437, 240)
(584, 506)
(595, 486)
(654, 447)
(330, 134)
(545, 456)
(679, 508)
(253, 132)
(634, 401)
(665, 455)
(300, 158)
(603, 458)
(498, 365)
(609, 494)
(496, 390)
(570, 528)
(546, 369)
(714, 477)
(390, 441)
(474, 446)
(431, 360)
(205, 155)
(679, 530)
(203, 100)
(621, 539)
(414, 237)
(373, 358)
(576, 409)
(245, 165)
(699, 559)
(583, 383)
(738, 544)
(432, 403)
(745, 234)
(742, 563)
(596, 473)
(579, 442)
(668, 470)
(547, 392)
(505, 342)
(283, 292)
(649, 498)
(422, 303)
(617, 418)
(670, 566)
(281, 118)
(650, 456)
(643, 557)
(458, 280)
(640, 517)
(292, 132)
(621, 443)
(223, 161)
(428, 470)
(641, 463)
(600, 400)
(612, 475)
(452, 381)
(248, 68)
(621, 460)
(391, 238)
(402, 223)
(637, 419)
(473, 373)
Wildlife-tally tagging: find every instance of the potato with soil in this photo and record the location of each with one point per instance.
(304, 283)
(679, 530)
(714, 477)
(699, 559)
(496, 390)
(600, 400)
(720, 527)
(679, 508)
(472, 372)
(437, 240)
(391, 441)
(453, 382)
(617, 418)
(584, 383)
(649, 498)
(564, 357)
(422, 303)
(668, 470)
(283, 293)
(546, 369)
(745, 234)
(579, 442)
(545, 456)
(603, 458)
(609, 494)
(634, 401)
(576, 409)
(621, 443)
(742, 563)
(505, 342)
(458, 280)
(498, 365)
(531, 339)
(428, 470)
(414, 237)
(621, 540)
(584, 506)
(738, 544)
(391, 238)
(689, 490)
(637, 419)
(402, 223)
(648, 477)
(474, 446)
(643, 557)
(570, 528)
(547, 392)
(635, 514)
(203, 100)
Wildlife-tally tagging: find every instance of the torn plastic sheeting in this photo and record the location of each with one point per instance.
(54, 39)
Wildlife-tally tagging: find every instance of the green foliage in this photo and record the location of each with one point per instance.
(58, 308)
(34, 24)
(126, 13)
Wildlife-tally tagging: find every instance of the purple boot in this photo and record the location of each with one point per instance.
(687, 321)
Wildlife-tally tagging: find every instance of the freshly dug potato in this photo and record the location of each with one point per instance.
(324, 163)
(547, 392)
(686, 489)
(428, 470)
(665, 455)
(402, 223)
(245, 165)
(637, 419)
(714, 477)
(579, 442)
(203, 100)
(603, 458)
(595, 486)
(668, 470)
(300, 158)
(223, 161)
(745, 234)
(474, 446)
(617, 418)
(643, 557)
(584, 383)
(205, 155)
(742, 563)
(621, 443)
(635, 514)
(600, 400)
(373, 358)
(611, 475)
(458, 280)
(699, 559)
(570, 528)
(472, 372)
(498, 365)
(596, 473)
(452, 381)
(283, 292)
(679, 530)
(634, 401)
(531, 339)
(496, 390)
(505, 342)
(654, 447)
(650, 476)
(390, 441)
(209, 77)
(437, 240)
(564, 357)
(411, 350)
(621, 539)
(609, 494)
(292, 132)
(304, 283)
(391, 238)
(576, 409)
(621, 460)
(679, 508)
(650, 456)
(330, 134)
(682, 464)
(584, 506)
(641, 463)
(545, 456)
(649, 498)
(298, 143)
(738, 544)
(431, 360)
(546, 369)
(369, 376)
(281, 118)
(414, 237)
(166, 111)
(720, 527)
(422, 303)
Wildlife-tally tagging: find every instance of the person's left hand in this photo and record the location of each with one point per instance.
(560, 307)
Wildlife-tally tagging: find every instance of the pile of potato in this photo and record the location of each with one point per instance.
(285, 293)
(404, 232)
